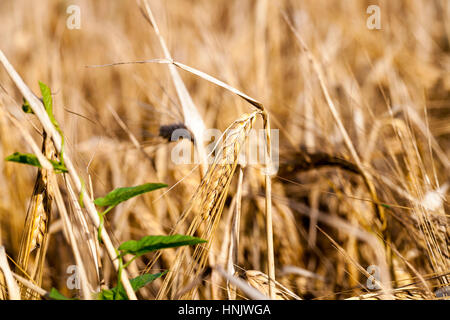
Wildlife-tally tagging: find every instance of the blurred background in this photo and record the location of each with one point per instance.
(391, 87)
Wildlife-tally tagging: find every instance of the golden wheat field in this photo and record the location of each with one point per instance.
(346, 104)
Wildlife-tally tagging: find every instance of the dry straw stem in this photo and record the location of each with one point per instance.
(192, 118)
(23, 257)
(286, 270)
(131, 136)
(386, 290)
(29, 139)
(260, 281)
(258, 105)
(73, 242)
(414, 270)
(268, 157)
(233, 238)
(361, 234)
(87, 246)
(30, 285)
(268, 199)
(33, 245)
(51, 131)
(35, 213)
(414, 194)
(13, 289)
(209, 199)
(268, 154)
(373, 78)
(250, 291)
(337, 118)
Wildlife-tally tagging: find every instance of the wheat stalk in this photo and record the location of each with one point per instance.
(268, 155)
(192, 117)
(260, 281)
(233, 244)
(210, 196)
(39, 111)
(13, 290)
(33, 245)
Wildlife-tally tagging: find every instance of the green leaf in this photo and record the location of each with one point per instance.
(110, 294)
(136, 284)
(83, 190)
(152, 243)
(47, 100)
(25, 158)
(142, 280)
(32, 160)
(48, 104)
(56, 295)
(119, 195)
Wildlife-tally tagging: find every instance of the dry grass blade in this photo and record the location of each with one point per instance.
(85, 249)
(268, 155)
(51, 131)
(37, 222)
(338, 119)
(207, 205)
(386, 290)
(192, 70)
(250, 291)
(217, 82)
(13, 290)
(33, 245)
(30, 285)
(260, 281)
(361, 116)
(232, 253)
(42, 159)
(192, 118)
(361, 234)
(86, 292)
(379, 209)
